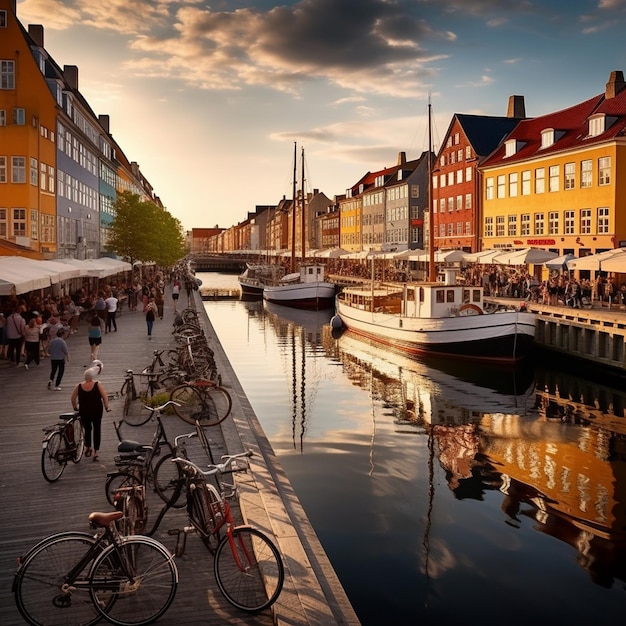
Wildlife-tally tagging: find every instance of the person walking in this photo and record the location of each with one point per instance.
(151, 312)
(176, 293)
(15, 328)
(111, 304)
(95, 334)
(59, 355)
(89, 398)
(31, 339)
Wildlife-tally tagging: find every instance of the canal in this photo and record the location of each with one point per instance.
(441, 496)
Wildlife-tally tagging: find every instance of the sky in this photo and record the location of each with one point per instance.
(209, 97)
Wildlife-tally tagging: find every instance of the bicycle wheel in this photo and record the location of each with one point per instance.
(79, 440)
(169, 481)
(250, 573)
(135, 416)
(203, 507)
(117, 481)
(141, 574)
(39, 579)
(53, 457)
(208, 405)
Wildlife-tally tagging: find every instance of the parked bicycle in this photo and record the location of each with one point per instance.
(77, 578)
(64, 441)
(144, 464)
(247, 565)
(202, 400)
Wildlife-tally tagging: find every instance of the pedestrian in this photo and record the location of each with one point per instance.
(151, 311)
(59, 355)
(176, 293)
(15, 328)
(159, 300)
(100, 306)
(111, 304)
(89, 398)
(31, 342)
(3, 336)
(95, 334)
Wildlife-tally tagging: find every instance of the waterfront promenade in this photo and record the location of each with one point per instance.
(33, 508)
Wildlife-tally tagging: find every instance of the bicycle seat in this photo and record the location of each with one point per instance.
(104, 519)
(127, 446)
(68, 416)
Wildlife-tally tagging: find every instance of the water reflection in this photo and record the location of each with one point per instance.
(556, 459)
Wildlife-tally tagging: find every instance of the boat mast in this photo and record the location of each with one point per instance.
(303, 227)
(432, 275)
(293, 217)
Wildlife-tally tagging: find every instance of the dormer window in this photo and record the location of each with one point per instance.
(513, 146)
(597, 125)
(549, 137)
(361, 188)
(379, 181)
(348, 193)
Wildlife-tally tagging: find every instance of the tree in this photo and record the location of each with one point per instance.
(143, 231)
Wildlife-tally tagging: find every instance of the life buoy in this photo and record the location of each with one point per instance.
(470, 309)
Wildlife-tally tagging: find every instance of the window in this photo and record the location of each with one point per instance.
(603, 220)
(489, 227)
(19, 222)
(553, 182)
(468, 201)
(456, 139)
(442, 180)
(3, 19)
(19, 117)
(585, 221)
(34, 174)
(18, 169)
(500, 226)
(47, 229)
(525, 224)
(468, 152)
(512, 226)
(459, 177)
(540, 180)
(459, 203)
(526, 183)
(43, 178)
(570, 176)
(604, 171)
(450, 178)
(468, 174)
(3, 169)
(34, 224)
(539, 223)
(502, 186)
(553, 223)
(459, 155)
(586, 174)
(468, 228)
(442, 205)
(459, 229)
(3, 117)
(489, 189)
(450, 204)
(513, 180)
(442, 230)
(7, 74)
(453, 157)
(51, 179)
(450, 229)
(568, 222)
(596, 125)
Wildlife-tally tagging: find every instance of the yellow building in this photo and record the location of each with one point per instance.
(558, 181)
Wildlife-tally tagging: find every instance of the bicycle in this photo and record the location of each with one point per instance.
(136, 462)
(156, 382)
(131, 501)
(247, 565)
(129, 393)
(64, 441)
(202, 400)
(78, 578)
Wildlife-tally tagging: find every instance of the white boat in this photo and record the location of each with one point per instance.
(436, 319)
(252, 280)
(305, 289)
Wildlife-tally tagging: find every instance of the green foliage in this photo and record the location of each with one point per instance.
(143, 231)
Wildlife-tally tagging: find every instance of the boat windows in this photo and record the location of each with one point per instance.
(450, 295)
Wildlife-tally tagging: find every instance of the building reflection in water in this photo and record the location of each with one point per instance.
(554, 446)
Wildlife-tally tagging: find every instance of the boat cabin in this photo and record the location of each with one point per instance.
(307, 274)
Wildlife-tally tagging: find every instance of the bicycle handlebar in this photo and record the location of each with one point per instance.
(222, 468)
(159, 409)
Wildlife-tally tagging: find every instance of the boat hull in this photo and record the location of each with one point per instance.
(502, 337)
(251, 290)
(312, 296)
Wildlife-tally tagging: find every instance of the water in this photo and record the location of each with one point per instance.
(441, 496)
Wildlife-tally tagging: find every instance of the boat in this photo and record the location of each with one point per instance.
(252, 280)
(435, 318)
(307, 287)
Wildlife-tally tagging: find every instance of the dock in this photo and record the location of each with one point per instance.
(33, 509)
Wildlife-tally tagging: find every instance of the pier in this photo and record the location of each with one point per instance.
(34, 509)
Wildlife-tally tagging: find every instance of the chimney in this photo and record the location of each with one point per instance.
(104, 122)
(71, 76)
(401, 158)
(516, 108)
(615, 85)
(36, 34)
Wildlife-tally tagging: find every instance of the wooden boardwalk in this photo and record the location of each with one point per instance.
(33, 508)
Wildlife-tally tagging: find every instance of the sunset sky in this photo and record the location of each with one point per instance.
(209, 97)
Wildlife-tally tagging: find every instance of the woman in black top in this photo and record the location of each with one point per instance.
(89, 398)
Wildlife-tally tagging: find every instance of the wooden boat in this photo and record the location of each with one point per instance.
(305, 288)
(252, 280)
(436, 319)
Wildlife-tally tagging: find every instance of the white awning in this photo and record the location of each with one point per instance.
(18, 276)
